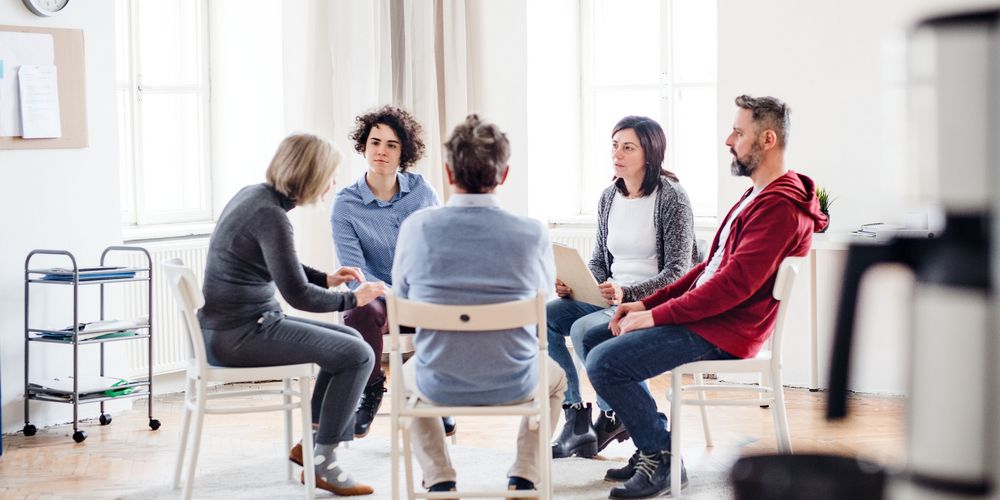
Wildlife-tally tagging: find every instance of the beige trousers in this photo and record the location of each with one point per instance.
(428, 439)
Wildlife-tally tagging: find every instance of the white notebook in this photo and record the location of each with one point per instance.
(573, 271)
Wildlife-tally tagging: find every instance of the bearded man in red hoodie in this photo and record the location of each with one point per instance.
(721, 309)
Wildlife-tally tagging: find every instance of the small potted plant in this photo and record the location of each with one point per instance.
(823, 195)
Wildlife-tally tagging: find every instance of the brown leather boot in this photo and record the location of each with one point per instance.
(295, 455)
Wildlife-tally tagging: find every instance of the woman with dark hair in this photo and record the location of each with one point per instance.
(645, 241)
(365, 220)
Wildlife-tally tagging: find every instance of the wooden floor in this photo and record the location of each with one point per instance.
(126, 456)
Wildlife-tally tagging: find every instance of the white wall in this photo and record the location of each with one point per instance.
(498, 84)
(247, 105)
(839, 65)
(62, 199)
(554, 141)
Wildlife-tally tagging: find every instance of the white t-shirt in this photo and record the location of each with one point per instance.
(632, 239)
(716, 259)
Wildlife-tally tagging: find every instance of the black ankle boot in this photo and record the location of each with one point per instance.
(623, 473)
(577, 436)
(609, 427)
(651, 477)
(371, 399)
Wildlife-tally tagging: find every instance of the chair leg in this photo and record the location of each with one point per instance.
(394, 447)
(675, 435)
(408, 459)
(185, 427)
(307, 441)
(698, 380)
(199, 419)
(286, 399)
(544, 457)
(764, 382)
(778, 411)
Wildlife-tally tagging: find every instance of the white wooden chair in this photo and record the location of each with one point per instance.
(470, 319)
(767, 365)
(184, 286)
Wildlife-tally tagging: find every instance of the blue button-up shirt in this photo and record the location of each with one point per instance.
(365, 228)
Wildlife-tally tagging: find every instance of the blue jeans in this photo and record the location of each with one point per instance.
(568, 317)
(618, 365)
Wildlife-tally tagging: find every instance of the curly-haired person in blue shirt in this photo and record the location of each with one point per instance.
(365, 220)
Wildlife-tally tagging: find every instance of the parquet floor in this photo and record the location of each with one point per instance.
(126, 456)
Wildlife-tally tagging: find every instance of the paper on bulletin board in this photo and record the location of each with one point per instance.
(16, 49)
(39, 88)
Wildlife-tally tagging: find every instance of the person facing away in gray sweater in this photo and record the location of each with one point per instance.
(252, 251)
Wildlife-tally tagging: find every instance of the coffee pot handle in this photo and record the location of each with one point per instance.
(860, 258)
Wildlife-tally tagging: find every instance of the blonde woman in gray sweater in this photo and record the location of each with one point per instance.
(250, 254)
(645, 241)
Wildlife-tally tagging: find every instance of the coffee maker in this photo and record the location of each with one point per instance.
(953, 405)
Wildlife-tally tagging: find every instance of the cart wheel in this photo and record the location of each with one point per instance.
(105, 418)
(154, 424)
(79, 436)
(30, 430)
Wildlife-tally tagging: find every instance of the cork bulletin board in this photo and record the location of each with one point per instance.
(69, 59)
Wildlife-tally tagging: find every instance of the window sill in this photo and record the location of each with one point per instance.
(134, 234)
(701, 223)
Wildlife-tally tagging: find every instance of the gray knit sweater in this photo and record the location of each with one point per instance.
(252, 249)
(675, 244)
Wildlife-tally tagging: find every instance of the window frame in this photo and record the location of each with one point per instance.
(669, 88)
(136, 217)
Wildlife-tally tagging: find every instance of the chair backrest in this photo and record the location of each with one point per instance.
(473, 318)
(788, 270)
(184, 286)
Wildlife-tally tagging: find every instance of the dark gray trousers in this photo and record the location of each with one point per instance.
(344, 359)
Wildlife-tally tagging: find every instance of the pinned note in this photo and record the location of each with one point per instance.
(39, 88)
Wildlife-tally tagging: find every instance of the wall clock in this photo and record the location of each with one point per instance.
(45, 7)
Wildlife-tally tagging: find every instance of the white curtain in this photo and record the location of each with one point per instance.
(410, 53)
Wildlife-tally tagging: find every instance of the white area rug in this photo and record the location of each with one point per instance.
(368, 461)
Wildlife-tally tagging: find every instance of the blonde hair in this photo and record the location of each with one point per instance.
(302, 167)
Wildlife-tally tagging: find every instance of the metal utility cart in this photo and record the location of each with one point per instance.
(75, 277)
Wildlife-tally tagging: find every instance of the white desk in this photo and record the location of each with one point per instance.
(821, 242)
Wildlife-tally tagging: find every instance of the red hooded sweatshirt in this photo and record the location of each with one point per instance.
(734, 310)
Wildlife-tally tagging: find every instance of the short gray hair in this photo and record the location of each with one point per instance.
(477, 154)
(768, 113)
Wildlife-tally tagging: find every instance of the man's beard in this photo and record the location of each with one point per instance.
(744, 167)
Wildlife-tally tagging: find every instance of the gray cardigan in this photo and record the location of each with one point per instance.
(675, 245)
(252, 249)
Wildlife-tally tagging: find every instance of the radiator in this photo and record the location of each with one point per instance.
(169, 342)
(582, 238)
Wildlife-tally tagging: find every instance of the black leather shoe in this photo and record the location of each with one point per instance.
(609, 427)
(623, 473)
(651, 477)
(371, 400)
(516, 483)
(449, 425)
(442, 486)
(577, 436)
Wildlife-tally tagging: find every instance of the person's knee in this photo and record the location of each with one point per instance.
(599, 365)
(594, 336)
(368, 316)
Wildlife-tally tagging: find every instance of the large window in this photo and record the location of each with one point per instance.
(655, 58)
(163, 102)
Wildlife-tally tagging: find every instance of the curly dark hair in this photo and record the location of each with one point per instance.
(402, 123)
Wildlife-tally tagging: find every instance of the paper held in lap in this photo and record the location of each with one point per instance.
(571, 269)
